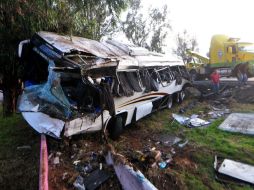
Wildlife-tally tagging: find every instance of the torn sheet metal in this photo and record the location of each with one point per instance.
(128, 55)
(86, 123)
(239, 122)
(48, 97)
(106, 49)
(190, 122)
(237, 170)
(197, 122)
(128, 177)
(44, 124)
(143, 110)
(67, 44)
(181, 119)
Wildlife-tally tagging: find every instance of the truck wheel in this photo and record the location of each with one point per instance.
(115, 128)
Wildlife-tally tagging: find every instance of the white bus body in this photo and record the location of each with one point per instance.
(77, 85)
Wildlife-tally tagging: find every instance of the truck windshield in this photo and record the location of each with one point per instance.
(249, 48)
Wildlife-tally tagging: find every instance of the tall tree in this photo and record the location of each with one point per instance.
(19, 19)
(184, 42)
(149, 30)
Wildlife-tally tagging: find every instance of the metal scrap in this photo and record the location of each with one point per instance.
(190, 122)
(235, 170)
(239, 122)
(128, 177)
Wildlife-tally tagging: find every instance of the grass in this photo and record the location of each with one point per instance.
(18, 168)
(206, 143)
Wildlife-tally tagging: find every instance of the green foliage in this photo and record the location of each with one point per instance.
(149, 30)
(185, 42)
(19, 168)
(24, 17)
(20, 19)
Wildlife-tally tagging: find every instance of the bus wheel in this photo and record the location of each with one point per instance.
(115, 128)
(170, 102)
(181, 96)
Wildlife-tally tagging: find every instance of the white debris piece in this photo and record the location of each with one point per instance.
(191, 122)
(239, 122)
(236, 170)
(129, 179)
(56, 160)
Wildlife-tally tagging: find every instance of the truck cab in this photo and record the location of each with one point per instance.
(225, 54)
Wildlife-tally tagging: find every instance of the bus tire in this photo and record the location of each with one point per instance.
(181, 96)
(116, 128)
(170, 102)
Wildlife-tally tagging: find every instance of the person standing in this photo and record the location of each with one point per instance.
(241, 71)
(215, 79)
(245, 72)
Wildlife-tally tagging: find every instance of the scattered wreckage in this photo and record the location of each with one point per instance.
(239, 122)
(232, 171)
(75, 85)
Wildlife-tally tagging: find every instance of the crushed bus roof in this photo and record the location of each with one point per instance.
(118, 53)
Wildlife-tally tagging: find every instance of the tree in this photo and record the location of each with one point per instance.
(185, 42)
(19, 19)
(147, 31)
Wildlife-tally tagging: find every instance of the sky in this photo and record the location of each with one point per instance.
(205, 18)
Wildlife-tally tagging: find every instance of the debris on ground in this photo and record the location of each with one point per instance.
(197, 122)
(96, 178)
(166, 139)
(239, 122)
(190, 106)
(79, 183)
(56, 160)
(181, 145)
(229, 91)
(152, 157)
(25, 147)
(218, 113)
(230, 170)
(190, 122)
(128, 177)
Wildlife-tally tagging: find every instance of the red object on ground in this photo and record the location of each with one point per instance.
(215, 77)
(43, 183)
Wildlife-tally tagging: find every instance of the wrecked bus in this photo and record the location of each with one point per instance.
(75, 85)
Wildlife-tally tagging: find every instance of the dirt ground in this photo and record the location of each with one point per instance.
(137, 141)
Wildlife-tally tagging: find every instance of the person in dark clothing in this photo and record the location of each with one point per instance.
(241, 72)
(245, 72)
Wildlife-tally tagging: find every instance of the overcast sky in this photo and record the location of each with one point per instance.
(204, 18)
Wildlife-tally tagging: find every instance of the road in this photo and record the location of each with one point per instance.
(225, 80)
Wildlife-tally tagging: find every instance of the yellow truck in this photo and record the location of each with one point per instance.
(224, 55)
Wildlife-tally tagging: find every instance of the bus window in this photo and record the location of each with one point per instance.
(165, 76)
